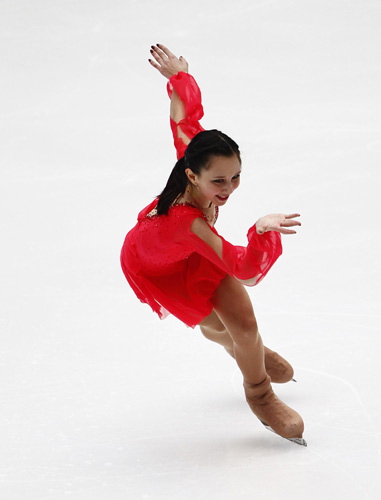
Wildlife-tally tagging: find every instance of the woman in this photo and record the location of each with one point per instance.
(176, 262)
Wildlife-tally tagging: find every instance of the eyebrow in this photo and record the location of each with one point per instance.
(223, 176)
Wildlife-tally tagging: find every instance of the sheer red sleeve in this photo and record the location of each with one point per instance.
(256, 259)
(188, 90)
(244, 263)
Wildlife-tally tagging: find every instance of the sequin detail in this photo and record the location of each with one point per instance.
(153, 213)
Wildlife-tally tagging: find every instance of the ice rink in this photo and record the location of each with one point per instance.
(99, 400)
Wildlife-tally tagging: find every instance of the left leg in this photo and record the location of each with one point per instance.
(278, 368)
(233, 306)
(213, 329)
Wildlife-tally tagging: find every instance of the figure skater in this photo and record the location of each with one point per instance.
(176, 262)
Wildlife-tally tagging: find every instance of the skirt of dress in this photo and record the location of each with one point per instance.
(185, 290)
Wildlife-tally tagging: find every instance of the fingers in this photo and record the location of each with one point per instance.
(152, 63)
(286, 231)
(166, 51)
(290, 223)
(183, 60)
(292, 216)
(158, 54)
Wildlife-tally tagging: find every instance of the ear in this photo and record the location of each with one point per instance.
(191, 176)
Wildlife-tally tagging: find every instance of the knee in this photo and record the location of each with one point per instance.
(215, 329)
(212, 326)
(245, 320)
(213, 333)
(246, 329)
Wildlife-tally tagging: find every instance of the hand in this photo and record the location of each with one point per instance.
(167, 63)
(277, 222)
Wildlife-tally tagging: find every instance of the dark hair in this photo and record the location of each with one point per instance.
(202, 147)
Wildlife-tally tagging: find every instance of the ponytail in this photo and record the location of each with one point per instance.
(176, 186)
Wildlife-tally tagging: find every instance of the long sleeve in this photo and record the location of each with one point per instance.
(187, 89)
(244, 263)
(256, 259)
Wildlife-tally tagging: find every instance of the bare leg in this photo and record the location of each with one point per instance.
(213, 329)
(233, 307)
(278, 368)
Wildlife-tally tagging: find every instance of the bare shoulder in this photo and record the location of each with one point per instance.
(201, 229)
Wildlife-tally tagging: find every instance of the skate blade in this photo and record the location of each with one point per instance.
(299, 441)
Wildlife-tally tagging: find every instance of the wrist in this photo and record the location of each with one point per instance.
(178, 74)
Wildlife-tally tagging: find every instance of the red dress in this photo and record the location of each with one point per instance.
(166, 264)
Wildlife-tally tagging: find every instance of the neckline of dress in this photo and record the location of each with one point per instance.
(153, 213)
(186, 204)
(189, 204)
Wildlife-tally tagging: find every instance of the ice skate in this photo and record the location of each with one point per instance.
(300, 441)
(273, 413)
(279, 370)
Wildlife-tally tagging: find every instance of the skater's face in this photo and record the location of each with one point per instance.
(218, 181)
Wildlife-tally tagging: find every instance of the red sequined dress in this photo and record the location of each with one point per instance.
(166, 264)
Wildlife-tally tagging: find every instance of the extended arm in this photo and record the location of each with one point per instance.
(247, 264)
(186, 108)
(169, 65)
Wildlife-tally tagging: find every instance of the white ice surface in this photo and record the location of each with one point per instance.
(98, 398)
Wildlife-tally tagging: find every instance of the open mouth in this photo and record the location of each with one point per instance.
(222, 198)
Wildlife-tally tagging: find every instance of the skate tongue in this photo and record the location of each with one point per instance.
(300, 441)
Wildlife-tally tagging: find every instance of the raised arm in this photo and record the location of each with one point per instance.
(169, 65)
(186, 108)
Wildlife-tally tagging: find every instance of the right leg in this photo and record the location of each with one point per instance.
(233, 307)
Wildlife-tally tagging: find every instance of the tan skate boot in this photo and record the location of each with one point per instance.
(278, 368)
(273, 413)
